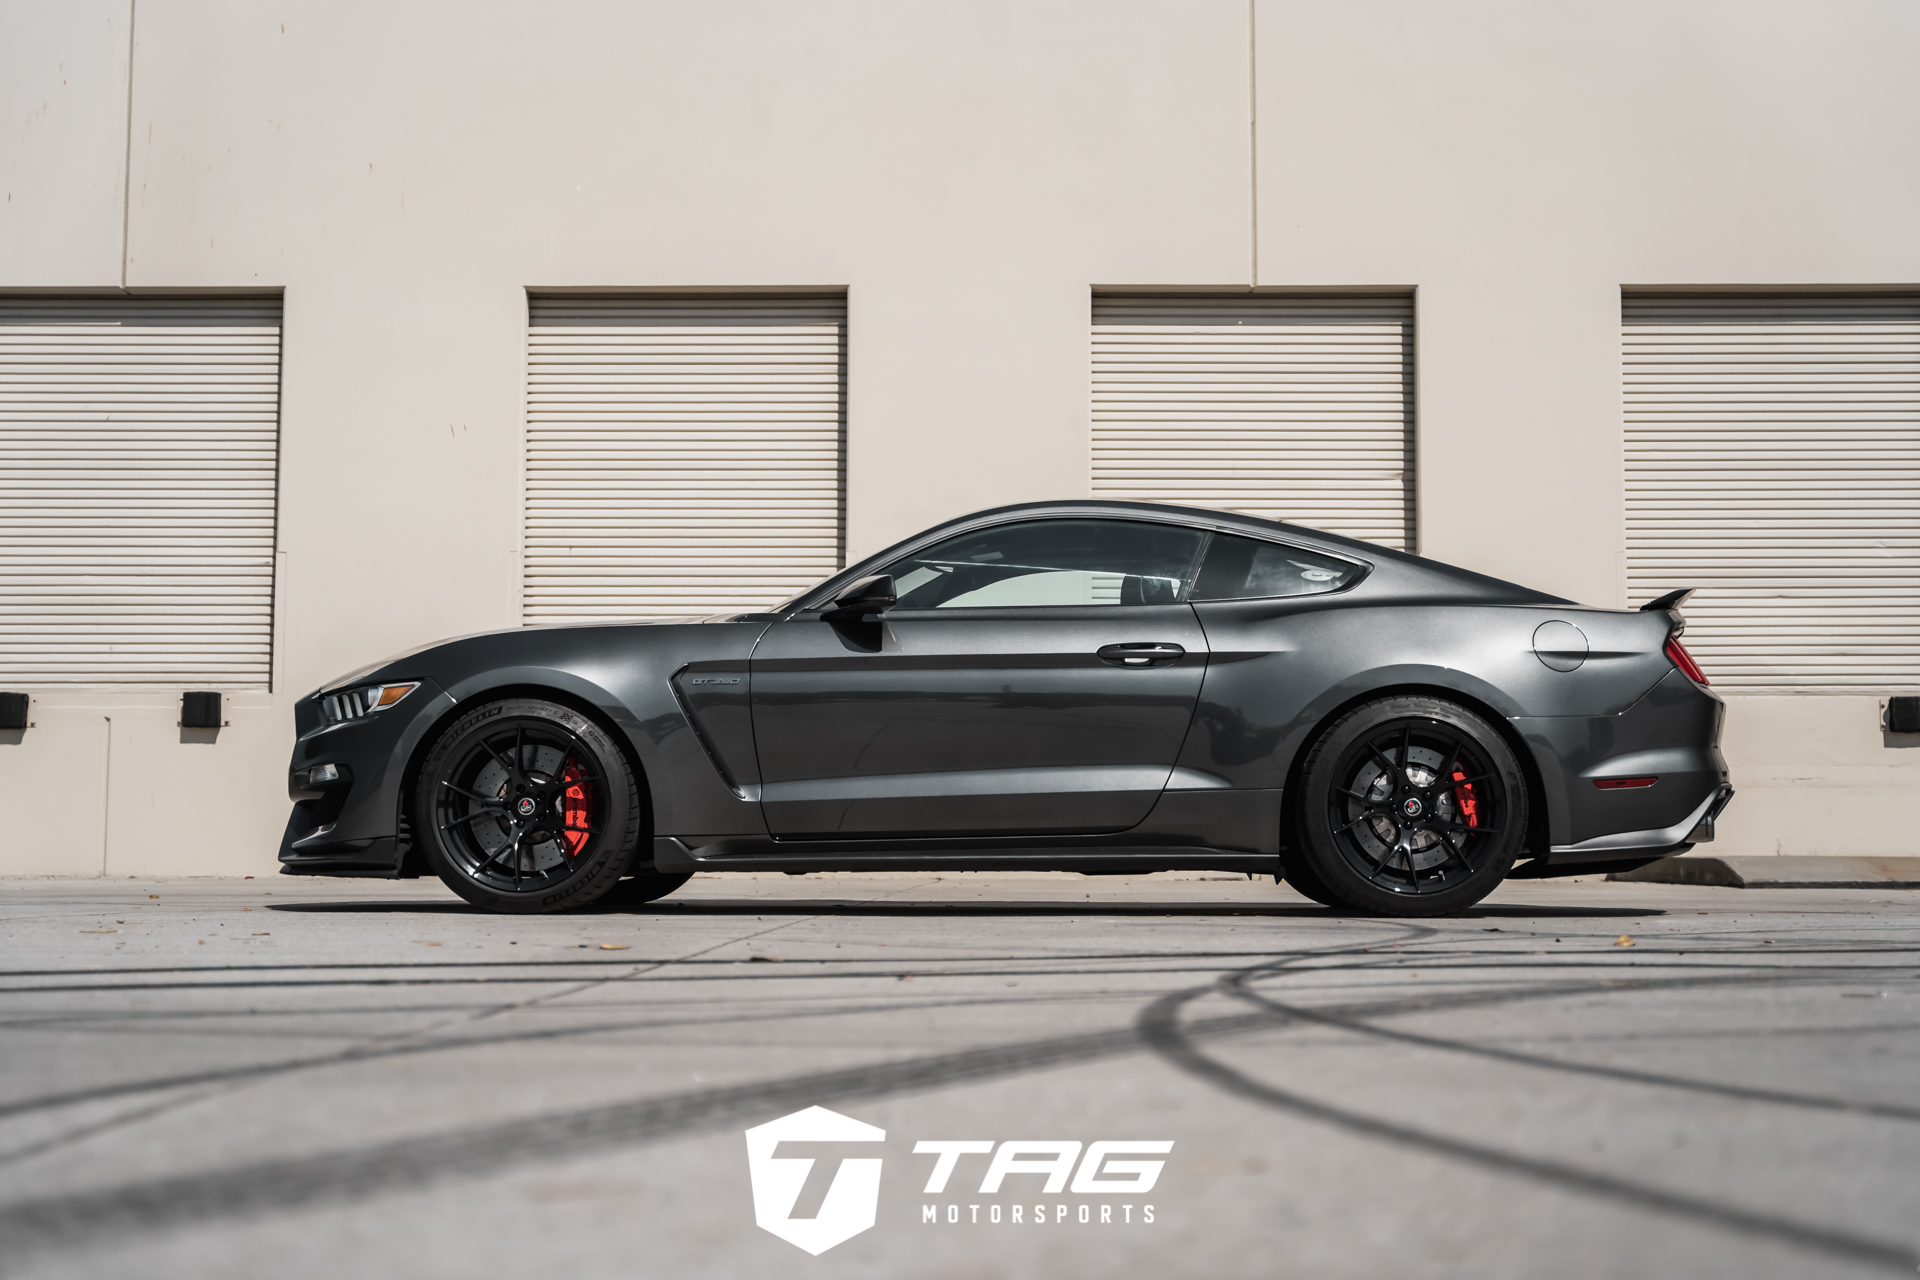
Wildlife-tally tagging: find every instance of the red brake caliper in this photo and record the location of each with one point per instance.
(579, 807)
(1469, 803)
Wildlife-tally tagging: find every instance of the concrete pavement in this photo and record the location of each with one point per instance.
(281, 1077)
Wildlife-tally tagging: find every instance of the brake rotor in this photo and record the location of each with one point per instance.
(546, 849)
(1380, 835)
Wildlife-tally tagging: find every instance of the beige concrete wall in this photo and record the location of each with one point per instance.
(967, 172)
(1522, 164)
(1817, 775)
(63, 143)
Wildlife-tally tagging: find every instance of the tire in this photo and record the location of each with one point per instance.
(1381, 831)
(643, 887)
(525, 806)
(1298, 876)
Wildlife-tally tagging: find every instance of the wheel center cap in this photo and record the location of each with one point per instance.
(526, 806)
(1411, 806)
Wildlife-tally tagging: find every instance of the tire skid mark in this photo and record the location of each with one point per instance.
(375, 1047)
(1564, 958)
(1238, 986)
(485, 1151)
(580, 963)
(411, 1163)
(1398, 1004)
(1163, 1033)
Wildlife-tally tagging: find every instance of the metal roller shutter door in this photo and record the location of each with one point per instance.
(138, 442)
(1292, 408)
(1773, 461)
(683, 454)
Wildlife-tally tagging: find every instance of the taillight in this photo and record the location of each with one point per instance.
(1684, 660)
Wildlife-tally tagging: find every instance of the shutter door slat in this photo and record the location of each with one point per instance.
(1773, 461)
(684, 455)
(1297, 409)
(138, 447)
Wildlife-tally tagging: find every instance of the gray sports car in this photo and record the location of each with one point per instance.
(1104, 687)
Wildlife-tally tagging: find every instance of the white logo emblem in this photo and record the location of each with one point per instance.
(816, 1179)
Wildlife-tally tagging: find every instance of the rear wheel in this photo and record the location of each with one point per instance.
(1410, 806)
(528, 806)
(1297, 875)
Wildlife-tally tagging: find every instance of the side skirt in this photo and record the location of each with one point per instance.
(673, 856)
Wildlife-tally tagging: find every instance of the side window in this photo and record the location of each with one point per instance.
(1244, 568)
(1052, 562)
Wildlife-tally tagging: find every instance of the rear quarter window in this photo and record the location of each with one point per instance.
(1239, 568)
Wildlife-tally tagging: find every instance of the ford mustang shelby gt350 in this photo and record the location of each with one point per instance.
(1104, 687)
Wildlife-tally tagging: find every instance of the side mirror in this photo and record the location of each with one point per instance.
(873, 594)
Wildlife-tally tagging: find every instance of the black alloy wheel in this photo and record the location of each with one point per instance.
(528, 806)
(1411, 806)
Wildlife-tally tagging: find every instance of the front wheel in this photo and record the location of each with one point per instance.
(1411, 806)
(528, 806)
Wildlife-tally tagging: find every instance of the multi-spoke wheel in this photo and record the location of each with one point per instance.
(528, 806)
(1411, 806)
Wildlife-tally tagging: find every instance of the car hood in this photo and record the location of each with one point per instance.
(358, 674)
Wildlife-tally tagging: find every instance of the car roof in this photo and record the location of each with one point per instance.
(1404, 573)
(1172, 514)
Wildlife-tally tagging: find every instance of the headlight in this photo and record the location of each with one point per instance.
(352, 704)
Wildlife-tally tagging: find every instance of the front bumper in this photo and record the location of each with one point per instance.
(355, 825)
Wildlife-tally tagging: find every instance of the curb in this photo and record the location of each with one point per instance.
(1779, 873)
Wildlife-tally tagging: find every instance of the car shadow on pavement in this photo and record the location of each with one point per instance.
(858, 907)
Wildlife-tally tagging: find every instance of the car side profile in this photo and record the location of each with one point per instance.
(1103, 687)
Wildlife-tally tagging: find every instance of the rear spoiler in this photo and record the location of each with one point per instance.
(1671, 600)
(1669, 604)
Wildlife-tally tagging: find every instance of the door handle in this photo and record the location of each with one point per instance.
(1141, 655)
